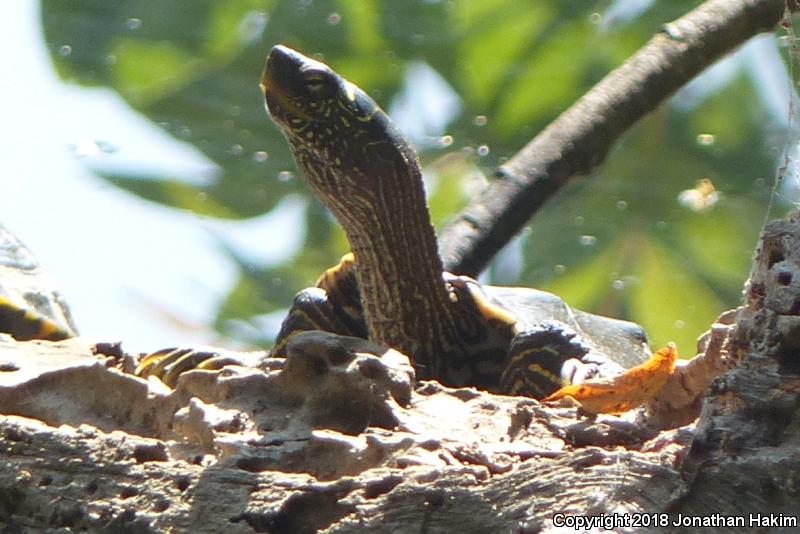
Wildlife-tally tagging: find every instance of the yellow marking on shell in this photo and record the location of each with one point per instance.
(279, 349)
(46, 327)
(488, 309)
(148, 360)
(216, 363)
(345, 262)
(192, 360)
(154, 362)
(42, 326)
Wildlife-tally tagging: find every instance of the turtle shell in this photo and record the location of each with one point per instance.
(30, 306)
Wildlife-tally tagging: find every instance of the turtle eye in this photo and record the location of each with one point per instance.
(318, 82)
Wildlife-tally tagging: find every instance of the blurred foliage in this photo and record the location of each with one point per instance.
(618, 243)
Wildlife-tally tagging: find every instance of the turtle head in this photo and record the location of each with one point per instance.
(339, 136)
(362, 168)
(302, 93)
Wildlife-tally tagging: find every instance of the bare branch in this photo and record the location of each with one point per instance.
(581, 137)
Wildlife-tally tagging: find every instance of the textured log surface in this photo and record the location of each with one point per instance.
(344, 440)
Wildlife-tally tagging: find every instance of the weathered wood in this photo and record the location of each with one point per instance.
(319, 442)
(746, 453)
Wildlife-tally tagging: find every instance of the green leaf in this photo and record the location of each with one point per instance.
(172, 193)
(228, 29)
(446, 185)
(546, 82)
(670, 300)
(499, 33)
(146, 71)
(732, 227)
(586, 284)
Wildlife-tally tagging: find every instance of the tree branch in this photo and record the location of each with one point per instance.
(581, 137)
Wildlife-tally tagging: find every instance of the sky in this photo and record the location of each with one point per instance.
(131, 270)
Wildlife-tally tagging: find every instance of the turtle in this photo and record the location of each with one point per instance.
(392, 288)
(30, 305)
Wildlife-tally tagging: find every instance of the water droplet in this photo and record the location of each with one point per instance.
(65, 50)
(595, 18)
(446, 140)
(483, 150)
(110, 59)
(618, 285)
(622, 205)
(285, 176)
(579, 220)
(480, 120)
(661, 225)
(587, 240)
(679, 323)
(559, 268)
(237, 150)
(133, 23)
(202, 196)
(252, 26)
(417, 39)
(260, 156)
(185, 131)
(706, 139)
(334, 19)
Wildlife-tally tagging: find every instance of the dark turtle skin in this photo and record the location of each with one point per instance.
(393, 289)
(30, 306)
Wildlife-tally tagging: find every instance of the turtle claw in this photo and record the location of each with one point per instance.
(575, 371)
(590, 366)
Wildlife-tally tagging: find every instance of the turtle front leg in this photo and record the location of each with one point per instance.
(333, 305)
(168, 364)
(546, 357)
